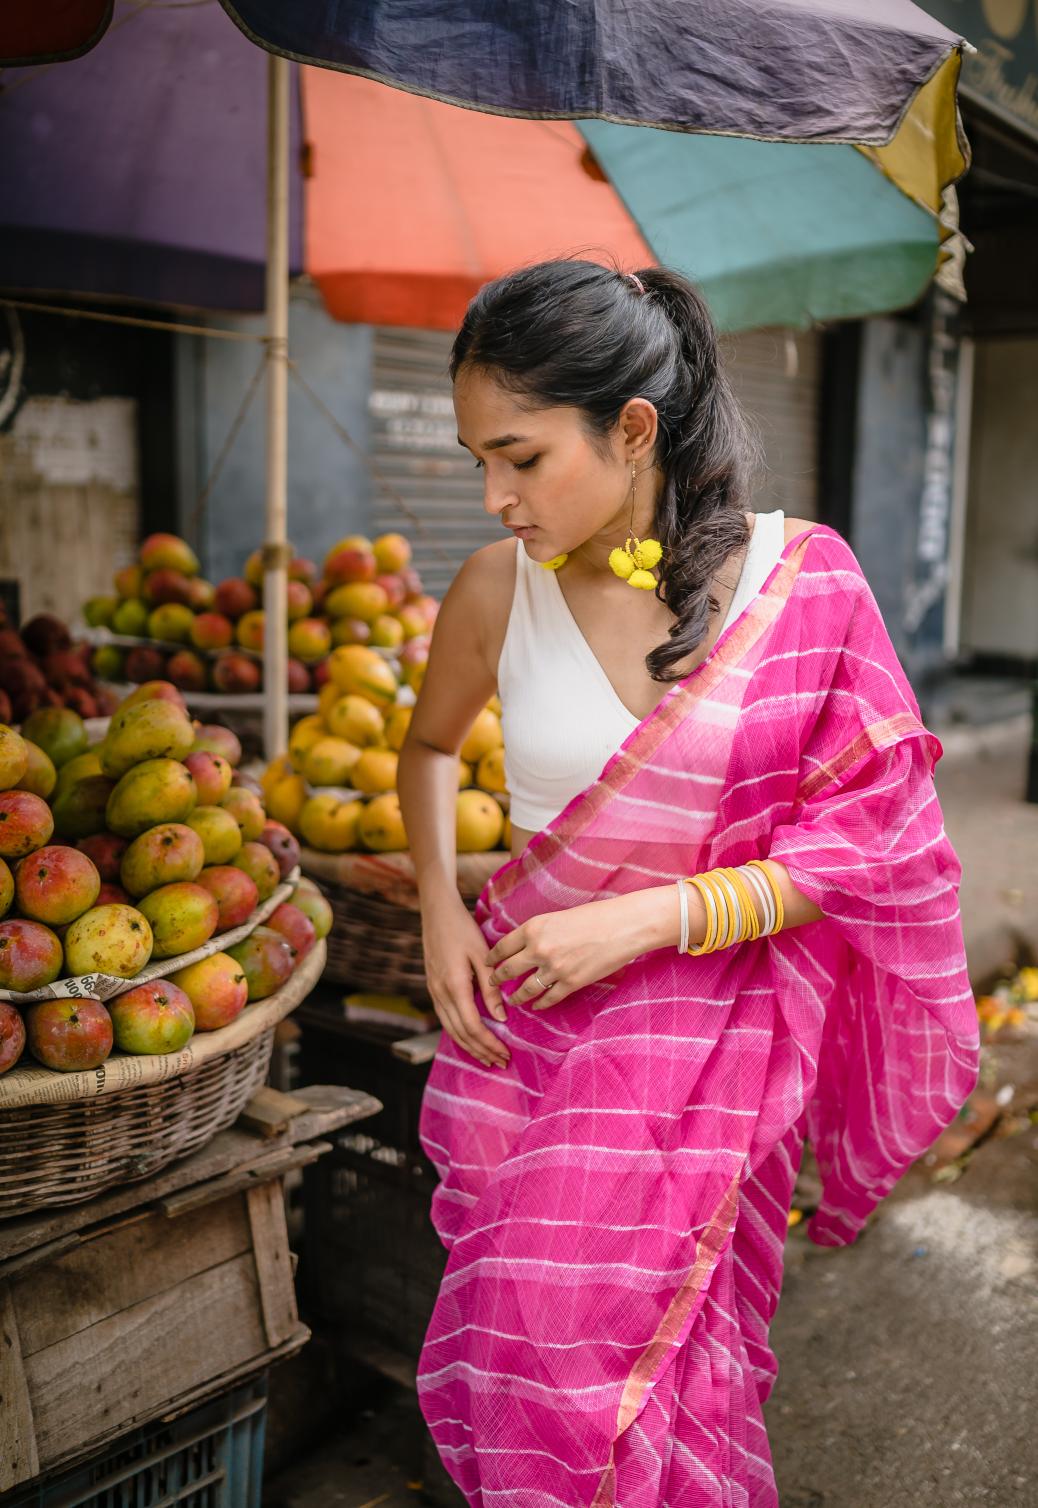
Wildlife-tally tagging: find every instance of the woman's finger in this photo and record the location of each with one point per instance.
(476, 1038)
(554, 996)
(511, 943)
(488, 988)
(515, 966)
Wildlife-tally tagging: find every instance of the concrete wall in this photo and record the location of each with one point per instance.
(328, 483)
(1000, 568)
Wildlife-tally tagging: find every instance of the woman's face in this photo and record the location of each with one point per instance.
(543, 477)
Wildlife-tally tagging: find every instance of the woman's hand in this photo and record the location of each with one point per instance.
(567, 950)
(455, 951)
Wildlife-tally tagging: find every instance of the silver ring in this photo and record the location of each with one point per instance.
(539, 982)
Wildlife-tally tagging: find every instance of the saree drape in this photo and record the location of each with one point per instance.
(615, 1202)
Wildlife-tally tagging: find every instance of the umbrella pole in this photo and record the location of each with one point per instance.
(276, 553)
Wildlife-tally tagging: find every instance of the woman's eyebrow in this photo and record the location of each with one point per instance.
(498, 443)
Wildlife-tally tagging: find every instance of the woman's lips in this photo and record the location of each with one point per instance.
(522, 530)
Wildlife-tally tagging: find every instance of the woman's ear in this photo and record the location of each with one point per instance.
(639, 425)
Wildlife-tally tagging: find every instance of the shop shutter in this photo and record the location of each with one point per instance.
(414, 441)
(416, 453)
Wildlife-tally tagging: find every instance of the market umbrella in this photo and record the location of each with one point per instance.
(804, 70)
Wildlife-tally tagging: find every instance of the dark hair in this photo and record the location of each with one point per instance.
(577, 334)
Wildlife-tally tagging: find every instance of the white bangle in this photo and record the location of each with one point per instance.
(683, 908)
(761, 889)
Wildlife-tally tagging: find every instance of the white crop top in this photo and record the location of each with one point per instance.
(562, 720)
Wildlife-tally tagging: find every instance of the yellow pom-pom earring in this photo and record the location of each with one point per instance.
(634, 562)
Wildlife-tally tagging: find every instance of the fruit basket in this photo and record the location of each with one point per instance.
(66, 1137)
(376, 937)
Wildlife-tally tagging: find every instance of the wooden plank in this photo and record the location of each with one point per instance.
(19, 1459)
(269, 1112)
(116, 1269)
(242, 1179)
(142, 1359)
(266, 1206)
(417, 1049)
(331, 1107)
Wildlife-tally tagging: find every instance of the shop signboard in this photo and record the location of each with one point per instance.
(1003, 72)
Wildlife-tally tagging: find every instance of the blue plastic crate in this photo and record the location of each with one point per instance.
(211, 1457)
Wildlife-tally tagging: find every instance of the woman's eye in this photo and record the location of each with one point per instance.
(525, 465)
(478, 465)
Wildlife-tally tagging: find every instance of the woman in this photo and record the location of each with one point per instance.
(730, 920)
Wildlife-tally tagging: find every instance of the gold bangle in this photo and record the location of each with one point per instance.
(754, 924)
(712, 917)
(780, 910)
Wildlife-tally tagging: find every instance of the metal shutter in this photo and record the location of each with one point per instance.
(415, 445)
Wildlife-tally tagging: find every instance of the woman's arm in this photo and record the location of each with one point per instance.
(459, 681)
(577, 947)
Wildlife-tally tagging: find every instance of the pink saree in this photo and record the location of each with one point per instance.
(615, 1202)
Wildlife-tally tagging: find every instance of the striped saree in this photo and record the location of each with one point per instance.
(615, 1201)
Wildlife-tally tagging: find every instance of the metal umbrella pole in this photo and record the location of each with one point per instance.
(276, 552)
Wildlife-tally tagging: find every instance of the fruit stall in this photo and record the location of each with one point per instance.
(155, 932)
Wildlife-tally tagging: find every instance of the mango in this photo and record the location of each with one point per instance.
(59, 731)
(152, 1018)
(26, 823)
(329, 823)
(12, 1035)
(286, 800)
(171, 622)
(354, 668)
(218, 740)
(163, 855)
(40, 775)
(282, 845)
(80, 808)
(356, 720)
(6, 888)
(312, 903)
(387, 632)
(359, 599)
(69, 1036)
(266, 960)
(490, 772)
(151, 691)
(295, 927)
(99, 611)
(479, 822)
(182, 917)
(375, 772)
(484, 735)
(236, 894)
(217, 989)
(77, 769)
(168, 552)
(14, 757)
(30, 956)
(113, 939)
(212, 776)
(247, 811)
(309, 640)
(381, 825)
(307, 731)
(146, 730)
(398, 721)
(56, 884)
(331, 761)
(218, 832)
(157, 790)
(257, 861)
(130, 617)
(105, 851)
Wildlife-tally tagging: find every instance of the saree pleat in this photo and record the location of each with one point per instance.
(615, 1202)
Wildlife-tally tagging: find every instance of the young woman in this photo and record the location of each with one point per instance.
(730, 920)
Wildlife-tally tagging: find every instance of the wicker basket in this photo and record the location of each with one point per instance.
(376, 937)
(62, 1153)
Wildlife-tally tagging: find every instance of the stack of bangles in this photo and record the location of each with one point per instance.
(729, 896)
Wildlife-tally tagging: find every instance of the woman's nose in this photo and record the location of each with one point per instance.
(496, 498)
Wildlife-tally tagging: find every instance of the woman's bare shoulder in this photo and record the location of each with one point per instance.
(795, 526)
(481, 594)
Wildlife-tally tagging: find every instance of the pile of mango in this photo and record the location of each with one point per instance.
(220, 628)
(371, 594)
(144, 847)
(336, 786)
(41, 667)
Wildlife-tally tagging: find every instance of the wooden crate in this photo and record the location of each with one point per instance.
(150, 1298)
